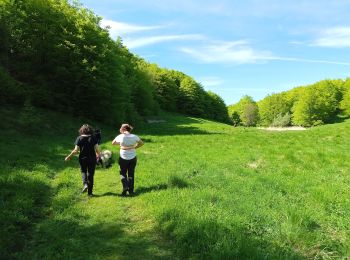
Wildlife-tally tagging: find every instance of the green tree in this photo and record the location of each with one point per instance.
(250, 114)
(64, 58)
(236, 120)
(272, 106)
(166, 90)
(317, 104)
(215, 107)
(190, 98)
(247, 109)
(345, 103)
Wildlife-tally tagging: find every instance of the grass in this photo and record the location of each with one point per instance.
(204, 190)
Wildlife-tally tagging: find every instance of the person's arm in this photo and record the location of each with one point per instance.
(114, 142)
(117, 142)
(127, 147)
(74, 151)
(139, 144)
(97, 151)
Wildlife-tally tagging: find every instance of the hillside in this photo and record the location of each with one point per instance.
(203, 190)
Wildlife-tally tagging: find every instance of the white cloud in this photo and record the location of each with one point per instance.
(236, 52)
(239, 52)
(210, 81)
(120, 29)
(125, 30)
(143, 41)
(338, 37)
(310, 60)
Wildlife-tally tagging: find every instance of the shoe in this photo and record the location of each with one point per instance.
(131, 193)
(124, 193)
(85, 188)
(90, 195)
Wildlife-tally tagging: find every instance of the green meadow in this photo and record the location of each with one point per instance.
(204, 190)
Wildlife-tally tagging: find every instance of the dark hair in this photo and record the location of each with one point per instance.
(126, 127)
(86, 130)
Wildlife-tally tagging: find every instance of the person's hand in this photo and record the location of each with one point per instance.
(126, 147)
(67, 158)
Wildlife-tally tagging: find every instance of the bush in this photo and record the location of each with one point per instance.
(281, 121)
(236, 120)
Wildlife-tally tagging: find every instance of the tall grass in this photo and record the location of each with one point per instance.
(203, 190)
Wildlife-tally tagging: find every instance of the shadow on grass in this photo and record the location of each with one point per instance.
(23, 202)
(173, 182)
(28, 164)
(176, 125)
(26, 193)
(209, 239)
(71, 239)
(113, 194)
(175, 130)
(153, 188)
(177, 182)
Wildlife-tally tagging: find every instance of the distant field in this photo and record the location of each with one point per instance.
(203, 190)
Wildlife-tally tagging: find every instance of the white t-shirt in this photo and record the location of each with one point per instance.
(127, 140)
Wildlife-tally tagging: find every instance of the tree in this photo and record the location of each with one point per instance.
(272, 106)
(317, 104)
(190, 98)
(247, 109)
(215, 107)
(166, 90)
(250, 114)
(236, 120)
(345, 103)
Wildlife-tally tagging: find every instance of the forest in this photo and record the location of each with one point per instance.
(55, 55)
(320, 103)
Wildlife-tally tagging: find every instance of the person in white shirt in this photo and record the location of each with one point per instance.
(127, 161)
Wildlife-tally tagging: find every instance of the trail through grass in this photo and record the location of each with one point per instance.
(203, 191)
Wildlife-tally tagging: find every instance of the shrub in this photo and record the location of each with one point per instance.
(281, 120)
(236, 120)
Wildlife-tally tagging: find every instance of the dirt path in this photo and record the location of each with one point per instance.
(290, 128)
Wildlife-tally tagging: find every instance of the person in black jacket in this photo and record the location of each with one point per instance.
(87, 146)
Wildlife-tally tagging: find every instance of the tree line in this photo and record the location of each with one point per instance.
(310, 105)
(54, 54)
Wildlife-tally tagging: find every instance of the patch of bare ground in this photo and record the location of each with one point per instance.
(289, 128)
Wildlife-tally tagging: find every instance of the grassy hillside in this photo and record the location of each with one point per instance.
(203, 190)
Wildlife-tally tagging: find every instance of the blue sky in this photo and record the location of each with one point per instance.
(236, 48)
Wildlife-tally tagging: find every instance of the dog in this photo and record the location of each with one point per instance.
(105, 159)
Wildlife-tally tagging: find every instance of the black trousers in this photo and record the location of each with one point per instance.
(87, 168)
(127, 173)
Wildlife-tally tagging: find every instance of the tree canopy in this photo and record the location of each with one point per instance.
(55, 54)
(316, 104)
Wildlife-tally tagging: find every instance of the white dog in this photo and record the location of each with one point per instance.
(105, 159)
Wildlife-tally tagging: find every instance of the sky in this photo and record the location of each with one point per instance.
(236, 48)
